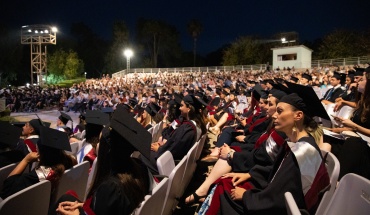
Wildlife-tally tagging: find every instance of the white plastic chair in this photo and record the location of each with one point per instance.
(190, 166)
(173, 190)
(74, 179)
(351, 197)
(165, 164)
(91, 177)
(5, 171)
(200, 146)
(33, 200)
(333, 167)
(153, 204)
(74, 149)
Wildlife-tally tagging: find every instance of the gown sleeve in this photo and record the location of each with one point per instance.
(17, 183)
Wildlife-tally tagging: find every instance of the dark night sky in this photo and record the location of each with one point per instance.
(223, 21)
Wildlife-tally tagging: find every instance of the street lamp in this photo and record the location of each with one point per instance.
(128, 53)
(85, 75)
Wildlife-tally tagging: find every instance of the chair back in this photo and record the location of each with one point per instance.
(33, 200)
(5, 171)
(173, 190)
(200, 146)
(153, 204)
(190, 166)
(352, 196)
(74, 149)
(165, 164)
(91, 177)
(332, 166)
(157, 131)
(75, 179)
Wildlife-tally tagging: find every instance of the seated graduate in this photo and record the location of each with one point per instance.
(298, 158)
(237, 160)
(184, 136)
(95, 120)
(52, 162)
(19, 149)
(62, 122)
(121, 182)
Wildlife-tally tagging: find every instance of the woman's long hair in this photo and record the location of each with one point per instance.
(364, 103)
(196, 115)
(56, 159)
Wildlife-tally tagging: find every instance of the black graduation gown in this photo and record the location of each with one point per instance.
(179, 143)
(335, 94)
(267, 195)
(18, 182)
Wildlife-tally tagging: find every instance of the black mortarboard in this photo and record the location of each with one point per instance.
(65, 118)
(190, 99)
(209, 89)
(278, 80)
(359, 71)
(315, 108)
(307, 76)
(278, 94)
(36, 124)
(107, 110)
(19, 124)
(178, 98)
(190, 91)
(152, 109)
(336, 75)
(54, 139)
(96, 117)
(256, 95)
(131, 131)
(225, 92)
(9, 134)
(295, 79)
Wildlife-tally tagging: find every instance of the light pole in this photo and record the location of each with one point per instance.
(85, 75)
(128, 53)
(36, 36)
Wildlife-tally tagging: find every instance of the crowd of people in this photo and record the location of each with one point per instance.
(263, 129)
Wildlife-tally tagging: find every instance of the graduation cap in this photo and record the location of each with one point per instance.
(278, 80)
(152, 109)
(225, 92)
(107, 110)
(343, 78)
(278, 94)
(9, 134)
(209, 89)
(65, 118)
(307, 76)
(359, 72)
(190, 99)
(310, 99)
(96, 117)
(54, 139)
(336, 75)
(19, 124)
(131, 131)
(36, 124)
(294, 79)
(178, 98)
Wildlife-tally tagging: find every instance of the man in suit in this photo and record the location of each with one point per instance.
(335, 92)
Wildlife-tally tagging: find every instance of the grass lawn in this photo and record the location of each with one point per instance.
(69, 83)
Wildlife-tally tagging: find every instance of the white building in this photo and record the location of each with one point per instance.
(297, 56)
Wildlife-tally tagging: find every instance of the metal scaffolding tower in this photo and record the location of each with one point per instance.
(38, 36)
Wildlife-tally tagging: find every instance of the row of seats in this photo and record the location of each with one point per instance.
(166, 194)
(75, 179)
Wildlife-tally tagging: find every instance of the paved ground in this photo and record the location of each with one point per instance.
(50, 116)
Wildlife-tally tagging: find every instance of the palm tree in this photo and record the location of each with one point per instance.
(194, 28)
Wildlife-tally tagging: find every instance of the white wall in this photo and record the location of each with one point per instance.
(303, 60)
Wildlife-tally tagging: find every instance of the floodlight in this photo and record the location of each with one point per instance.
(54, 29)
(128, 53)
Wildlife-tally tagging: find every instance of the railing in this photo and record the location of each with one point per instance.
(193, 69)
(261, 67)
(341, 61)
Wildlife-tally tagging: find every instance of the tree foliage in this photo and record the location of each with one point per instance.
(344, 43)
(114, 60)
(65, 64)
(161, 40)
(194, 28)
(247, 50)
(90, 47)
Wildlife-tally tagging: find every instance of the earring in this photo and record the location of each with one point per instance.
(294, 129)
